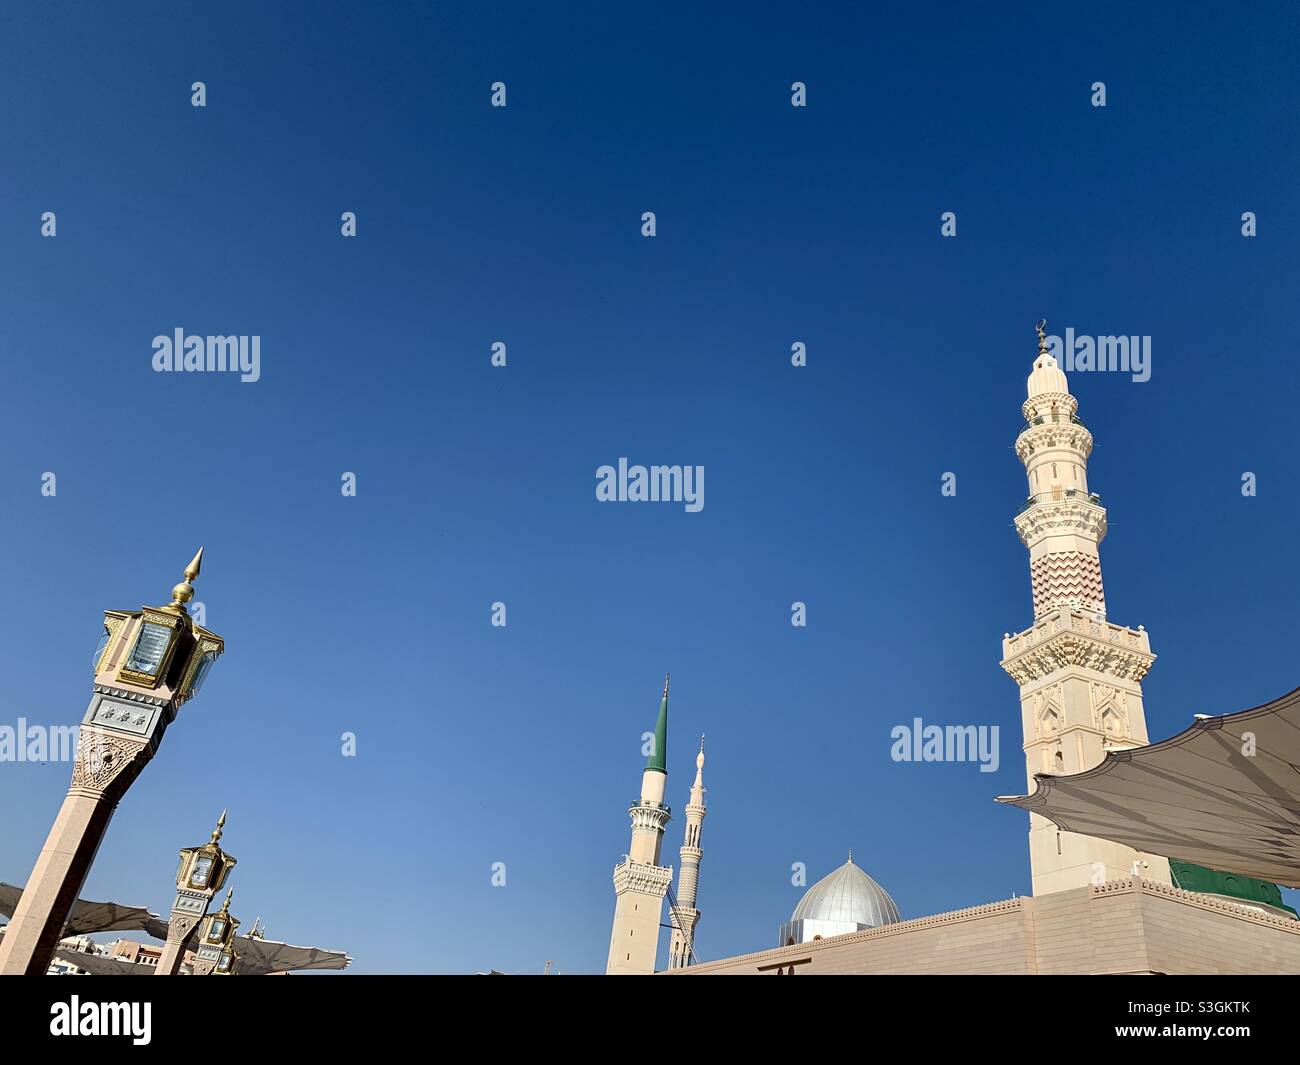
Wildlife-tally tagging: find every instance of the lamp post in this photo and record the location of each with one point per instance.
(149, 663)
(202, 872)
(216, 955)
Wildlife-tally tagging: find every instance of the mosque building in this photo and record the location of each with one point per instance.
(1097, 906)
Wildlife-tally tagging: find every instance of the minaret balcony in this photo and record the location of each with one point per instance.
(643, 878)
(1069, 513)
(1052, 419)
(1054, 432)
(649, 817)
(1068, 637)
(1051, 497)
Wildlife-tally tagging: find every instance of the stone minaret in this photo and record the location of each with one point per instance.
(640, 882)
(685, 915)
(1080, 676)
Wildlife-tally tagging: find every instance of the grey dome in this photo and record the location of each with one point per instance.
(847, 896)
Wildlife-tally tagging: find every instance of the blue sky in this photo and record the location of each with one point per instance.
(476, 224)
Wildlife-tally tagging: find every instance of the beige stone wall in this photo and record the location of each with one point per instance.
(1125, 926)
(984, 939)
(1188, 933)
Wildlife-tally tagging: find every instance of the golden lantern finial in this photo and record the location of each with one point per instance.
(184, 592)
(216, 832)
(225, 906)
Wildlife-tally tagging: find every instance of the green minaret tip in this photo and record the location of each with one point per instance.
(656, 760)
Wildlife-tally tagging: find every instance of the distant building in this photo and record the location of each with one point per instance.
(141, 953)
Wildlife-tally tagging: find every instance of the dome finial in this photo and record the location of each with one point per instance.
(850, 856)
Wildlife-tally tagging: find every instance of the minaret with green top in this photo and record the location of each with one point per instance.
(640, 882)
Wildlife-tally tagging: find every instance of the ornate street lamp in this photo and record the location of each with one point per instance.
(216, 954)
(202, 872)
(150, 663)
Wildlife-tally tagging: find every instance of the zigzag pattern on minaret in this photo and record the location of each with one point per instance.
(1066, 578)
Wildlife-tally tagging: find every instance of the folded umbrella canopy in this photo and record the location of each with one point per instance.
(1224, 794)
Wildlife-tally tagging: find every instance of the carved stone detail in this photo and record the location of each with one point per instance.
(1048, 403)
(646, 879)
(1072, 514)
(127, 693)
(1070, 649)
(180, 926)
(104, 757)
(1065, 434)
(649, 818)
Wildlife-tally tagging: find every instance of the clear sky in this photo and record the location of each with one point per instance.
(475, 484)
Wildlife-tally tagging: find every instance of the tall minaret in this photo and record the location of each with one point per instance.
(640, 882)
(1080, 676)
(685, 915)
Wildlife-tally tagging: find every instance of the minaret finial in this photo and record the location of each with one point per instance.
(1041, 329)
(184, 592)
(658, 759)
(216, 832)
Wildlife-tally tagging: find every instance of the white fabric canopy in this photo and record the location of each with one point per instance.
(257, 957)
(1224, 794)
(89, 917)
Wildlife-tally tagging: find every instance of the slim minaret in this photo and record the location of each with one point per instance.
(1080, 676)
(685, 915)
(640, 882)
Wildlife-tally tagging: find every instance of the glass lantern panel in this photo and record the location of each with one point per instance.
(150, 646)
(202, 871)
(205, 666)
(99, 649)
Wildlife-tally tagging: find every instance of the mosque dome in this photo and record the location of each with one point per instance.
(847, 900)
